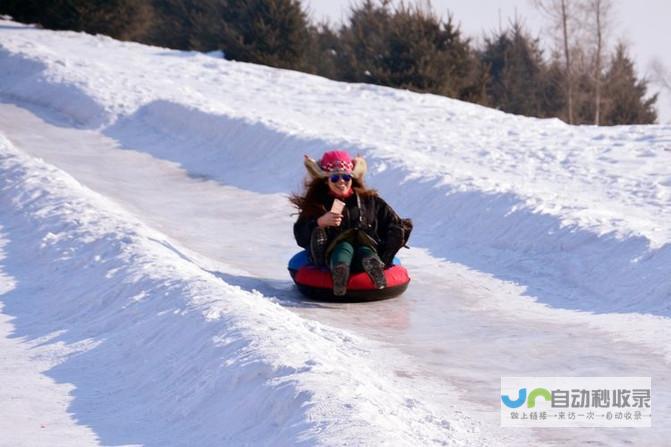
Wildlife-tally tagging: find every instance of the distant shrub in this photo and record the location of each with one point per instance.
(270, 32)
(626, 100)
(121, 19)
(382, 43)
(517, 72)
(407, 47)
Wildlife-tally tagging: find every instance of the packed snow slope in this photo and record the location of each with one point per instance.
(533, 201)
(574, 217)
(175, 355)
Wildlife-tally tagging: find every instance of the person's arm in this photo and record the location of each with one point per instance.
(303, 229)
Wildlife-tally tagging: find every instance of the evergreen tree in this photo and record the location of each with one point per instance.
(407, 47)
(625, 94)
(271, 32)
(121, 19)
(187, 24)
(364, 43)
(323, 52)
(27, 11)
(554, 92)
(516, 69)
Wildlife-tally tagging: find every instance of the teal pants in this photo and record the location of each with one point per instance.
(346, 253)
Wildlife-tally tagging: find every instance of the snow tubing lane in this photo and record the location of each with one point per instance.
(316, 283)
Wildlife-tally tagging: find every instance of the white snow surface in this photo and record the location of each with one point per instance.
(144, 292)
(164, 338)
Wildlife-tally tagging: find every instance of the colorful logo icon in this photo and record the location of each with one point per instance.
(522, 397)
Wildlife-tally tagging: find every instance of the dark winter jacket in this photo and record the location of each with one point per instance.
(380, 225)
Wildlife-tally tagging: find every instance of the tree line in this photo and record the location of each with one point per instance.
(581, 81)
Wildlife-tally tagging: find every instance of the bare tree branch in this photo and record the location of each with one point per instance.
(562, 15)
(660, 74)
(597, 18)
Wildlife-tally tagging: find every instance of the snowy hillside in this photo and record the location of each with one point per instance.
(144, 291)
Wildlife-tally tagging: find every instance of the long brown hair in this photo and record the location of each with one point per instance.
(312, 203)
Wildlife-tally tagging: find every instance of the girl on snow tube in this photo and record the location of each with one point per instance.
(349, 229)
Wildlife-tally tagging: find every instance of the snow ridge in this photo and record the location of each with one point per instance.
(110, 294)
(563, 264)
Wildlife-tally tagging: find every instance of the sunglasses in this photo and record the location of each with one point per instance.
(335, 177)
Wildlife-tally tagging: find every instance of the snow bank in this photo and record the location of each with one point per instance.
(578, 215)
(166, 353)
(25, 80)
(564, 265)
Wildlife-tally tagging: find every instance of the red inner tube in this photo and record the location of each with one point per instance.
(312, 276)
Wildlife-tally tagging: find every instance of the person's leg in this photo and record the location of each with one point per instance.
(372, 265)
(360, 252)
(341, 259)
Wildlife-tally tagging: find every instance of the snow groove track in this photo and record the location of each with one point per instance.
(161, 352)
(562, 265)
(597, 243)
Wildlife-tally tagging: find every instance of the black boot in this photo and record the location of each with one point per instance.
(340, 274)
(375, 269)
